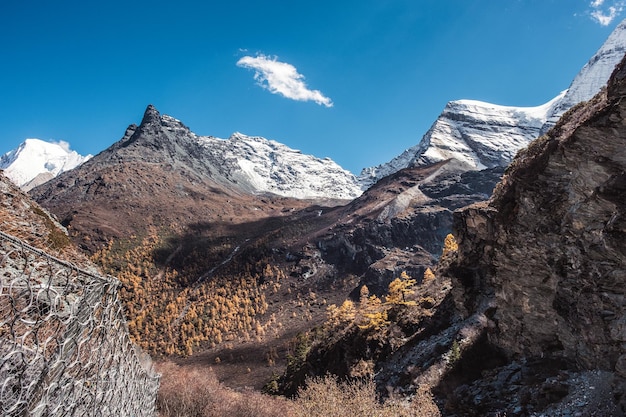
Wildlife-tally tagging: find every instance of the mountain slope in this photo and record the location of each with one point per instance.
(21, 217)
(158, 175)
(36, 161)
(186, 238)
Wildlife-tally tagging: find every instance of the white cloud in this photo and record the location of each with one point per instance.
(605, 14)
(282, 78)
(63, 144)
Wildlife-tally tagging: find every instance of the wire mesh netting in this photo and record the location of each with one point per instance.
(64, 344)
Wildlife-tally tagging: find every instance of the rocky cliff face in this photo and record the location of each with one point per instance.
(399, 224)
(545, 259)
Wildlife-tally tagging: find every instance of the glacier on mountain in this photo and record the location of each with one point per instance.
(36, 161)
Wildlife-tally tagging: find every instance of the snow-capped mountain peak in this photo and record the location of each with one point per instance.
(483, 135)
(593, 75)
(252, 164)
(36, 161)
(477, 134)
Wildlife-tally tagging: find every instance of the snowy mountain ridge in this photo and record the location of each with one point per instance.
(593, 75)
(483, 135)
(269, 166)
(36, 161)
(254, 164)
(478, 135)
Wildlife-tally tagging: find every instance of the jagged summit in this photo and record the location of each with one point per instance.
(151, 115)
(155, 131)
(152, 118)
(251, 163)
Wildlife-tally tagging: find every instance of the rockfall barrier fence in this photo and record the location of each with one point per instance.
(64, 343)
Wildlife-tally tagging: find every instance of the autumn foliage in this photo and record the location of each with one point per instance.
(169, 313)
(449, 244)
(372, 312)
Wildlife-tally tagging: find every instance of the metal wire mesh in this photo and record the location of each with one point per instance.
(64, 344)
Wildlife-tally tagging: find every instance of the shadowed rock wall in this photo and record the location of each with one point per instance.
(546, 256)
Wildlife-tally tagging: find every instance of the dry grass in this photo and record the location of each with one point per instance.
(196, 392)
(326, 397)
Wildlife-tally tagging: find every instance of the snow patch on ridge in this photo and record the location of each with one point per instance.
(593, 76)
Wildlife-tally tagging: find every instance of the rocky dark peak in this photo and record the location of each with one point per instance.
(151, 116)
(153, 120)
(158, 138)
(150, 130)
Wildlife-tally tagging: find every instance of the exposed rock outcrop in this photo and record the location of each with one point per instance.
(545, 258)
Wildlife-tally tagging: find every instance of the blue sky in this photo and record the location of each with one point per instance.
(358, 81)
